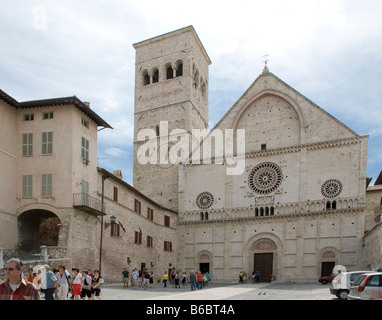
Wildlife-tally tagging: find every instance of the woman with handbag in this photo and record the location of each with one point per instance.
(86, 285)
(96, 285)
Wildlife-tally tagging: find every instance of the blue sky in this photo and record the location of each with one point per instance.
(328, 50)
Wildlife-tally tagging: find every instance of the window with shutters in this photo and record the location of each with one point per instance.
(137, 206)
(115, 194)
(27, 186)
(84, 148)
(166, 221)
(138, 237)
(115, 229)
(46, 186)
(149, 241)
(167, 246)
(150, 214)
(27, 144)
(47, 143)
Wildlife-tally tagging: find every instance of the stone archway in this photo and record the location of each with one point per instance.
(37, 227)
(264, 252)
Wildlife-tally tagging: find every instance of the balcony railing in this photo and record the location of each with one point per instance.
(88, 204)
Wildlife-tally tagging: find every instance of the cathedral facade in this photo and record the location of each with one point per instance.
(289, 200)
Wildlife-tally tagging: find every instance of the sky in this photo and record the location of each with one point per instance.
(328, 50)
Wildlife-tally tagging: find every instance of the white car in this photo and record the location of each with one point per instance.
(367, 287)
(341, 283)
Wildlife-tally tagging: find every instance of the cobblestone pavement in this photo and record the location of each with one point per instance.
(215, 291)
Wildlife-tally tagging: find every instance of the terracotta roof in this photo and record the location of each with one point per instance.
(8, 99)
(379, 180)
(56, 102)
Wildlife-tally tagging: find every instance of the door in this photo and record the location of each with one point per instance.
(204, 267)
(327, 268)
(263, 262)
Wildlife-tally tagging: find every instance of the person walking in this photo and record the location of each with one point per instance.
(199, 277)
(146, 279)
(63, 277)
(86, 286)
(176, 278)
(76, 284)
(135, 275)
(165, 278)
(96, 285)
(193, 280)
(15, 287)
(51, 284)
(125, 278)
(258, 275)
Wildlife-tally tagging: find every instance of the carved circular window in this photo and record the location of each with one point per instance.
(265, 178)
(331, 188)
(204, 200)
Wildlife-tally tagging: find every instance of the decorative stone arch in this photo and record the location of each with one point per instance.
(327, 255)
(264, 243)
(275, 93)
(145, 77)
(205, 257)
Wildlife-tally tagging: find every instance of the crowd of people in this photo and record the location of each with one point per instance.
(145, 279)
(55, 284)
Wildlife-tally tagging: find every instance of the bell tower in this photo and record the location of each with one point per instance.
(171, 92)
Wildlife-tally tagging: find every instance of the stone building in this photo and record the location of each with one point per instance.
(277, 186)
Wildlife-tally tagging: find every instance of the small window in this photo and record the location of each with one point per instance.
(167, 246)
(137, 206)
(27, 186)
(146, 79)
(264, 147)
(27, 144)
(114, 232)
(28, 117)
(170, 73)
(156, 76)
(46, 186)
(47, 115)
(47, 143)
(166, 221)
(85, 123)
(179, 70)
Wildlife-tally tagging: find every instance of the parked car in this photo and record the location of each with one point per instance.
(341, 283)
(327, 279)
(367, 287)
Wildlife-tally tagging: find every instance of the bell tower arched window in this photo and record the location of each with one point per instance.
(169, 73)
(179, 70)
(155, 76)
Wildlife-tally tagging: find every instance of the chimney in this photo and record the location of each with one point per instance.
(118, 173)
(87, 104)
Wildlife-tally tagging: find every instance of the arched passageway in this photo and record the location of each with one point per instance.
(37, 228)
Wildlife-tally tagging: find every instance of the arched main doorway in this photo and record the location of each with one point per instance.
(264, 255)
(37, 228)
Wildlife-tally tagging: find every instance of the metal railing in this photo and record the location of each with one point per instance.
(84, 200)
